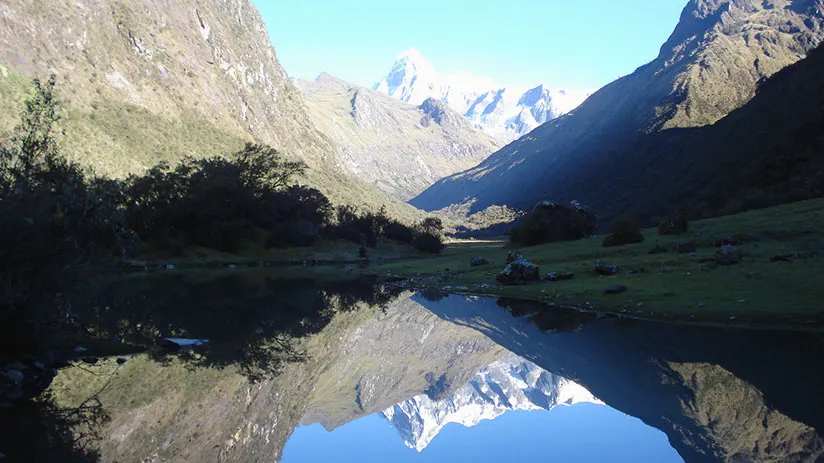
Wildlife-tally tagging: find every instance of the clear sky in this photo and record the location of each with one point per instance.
(563, 43)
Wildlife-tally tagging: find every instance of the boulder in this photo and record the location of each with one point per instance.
(615, 289)
(555, 276)
(728, 255)
(603, 268)
(478, 261)
(685, 247)
(513, 256)
(519, 272)
(658, 249)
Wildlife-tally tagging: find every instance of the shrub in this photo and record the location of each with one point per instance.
(675, 225)
(550, 222)
(624, 231)
(428, 242)
(399, 232)
(219, 202)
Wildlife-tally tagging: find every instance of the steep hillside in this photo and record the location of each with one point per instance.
(710, 66)
(143, 82)
(504, 112)
(399, 148)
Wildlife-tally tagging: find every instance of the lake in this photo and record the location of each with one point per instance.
(301, 367)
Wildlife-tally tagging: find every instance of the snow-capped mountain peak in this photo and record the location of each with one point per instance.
(508, 384)
(505, 112)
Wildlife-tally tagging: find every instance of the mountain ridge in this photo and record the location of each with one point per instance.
(399, 148)
(710, 66)
(504, 112)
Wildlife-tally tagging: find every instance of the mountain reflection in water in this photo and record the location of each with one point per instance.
(287, 351)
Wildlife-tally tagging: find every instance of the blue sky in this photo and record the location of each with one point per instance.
(583, 433)
(563, 43)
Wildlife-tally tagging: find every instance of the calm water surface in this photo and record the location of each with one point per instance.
(308, 368)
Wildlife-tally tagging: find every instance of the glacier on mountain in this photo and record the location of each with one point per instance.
(511, 383)
(504, 112)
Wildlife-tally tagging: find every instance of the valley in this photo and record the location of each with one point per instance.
(207, 258)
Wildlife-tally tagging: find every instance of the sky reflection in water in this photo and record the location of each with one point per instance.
(582, 433)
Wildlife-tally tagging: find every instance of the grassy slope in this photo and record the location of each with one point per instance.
(116, 139)
(669, 285)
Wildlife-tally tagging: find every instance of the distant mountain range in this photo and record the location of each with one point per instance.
(399, 148)
(511, 383)
(504, 112)
(637, 147)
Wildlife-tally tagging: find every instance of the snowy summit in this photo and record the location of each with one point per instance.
(504, 112)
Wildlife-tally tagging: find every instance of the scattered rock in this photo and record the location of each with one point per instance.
(519, 272)
(615, 289)
(15, 376)
(728, 255)
(685, 247)
(729, 241)
(792, 257)
(602, 268)
(513, 256)
(478, 261)
(555, 276)
(658, 249)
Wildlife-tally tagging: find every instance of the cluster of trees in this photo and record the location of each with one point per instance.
(553, 221)
(56, 214)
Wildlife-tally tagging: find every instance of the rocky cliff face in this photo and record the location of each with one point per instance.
(710, 66)
(143, 82)
(399, 148)
(511, 383)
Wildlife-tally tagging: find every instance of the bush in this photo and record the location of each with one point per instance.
(399, 232)
(428, 242)
(675, 225)
(550, 222)
(624, 231)
(219, 202)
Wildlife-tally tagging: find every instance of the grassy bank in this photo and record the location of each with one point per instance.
(327, 251)
(667, 285)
